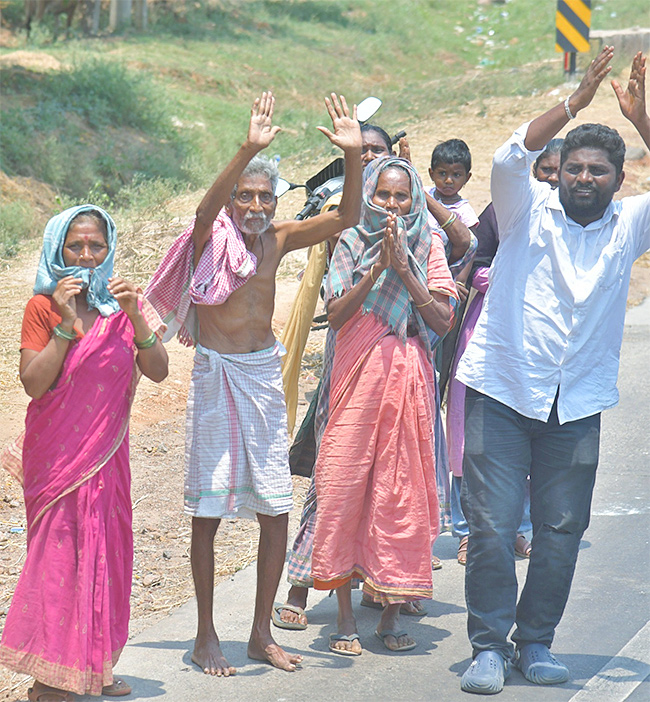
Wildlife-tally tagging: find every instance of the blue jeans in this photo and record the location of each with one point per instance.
(459, 526)
(502, 447)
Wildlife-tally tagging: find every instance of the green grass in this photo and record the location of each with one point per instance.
(172, 105)
(16, 220)
(94, 127)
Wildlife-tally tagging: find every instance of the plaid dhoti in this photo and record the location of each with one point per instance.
(236, 450)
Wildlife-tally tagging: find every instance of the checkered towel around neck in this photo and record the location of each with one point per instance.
(225, 265)
(360, 247)
(52, 268)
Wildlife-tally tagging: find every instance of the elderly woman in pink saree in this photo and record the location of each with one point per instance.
(375, 474)
(86, 336)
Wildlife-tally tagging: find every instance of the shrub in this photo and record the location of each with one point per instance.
(16, 223)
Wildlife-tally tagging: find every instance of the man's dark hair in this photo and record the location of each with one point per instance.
(595, 136)
(378, 130)
(452, 151)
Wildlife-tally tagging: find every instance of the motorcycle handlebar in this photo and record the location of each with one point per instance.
(312, 204)
(397, 137)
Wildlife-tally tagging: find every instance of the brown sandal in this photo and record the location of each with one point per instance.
(118, 689)
(462, 550)
(52, 693)
(523, 547)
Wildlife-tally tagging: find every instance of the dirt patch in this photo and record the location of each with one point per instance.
(40, 196)
(162, 578)
(32, 60)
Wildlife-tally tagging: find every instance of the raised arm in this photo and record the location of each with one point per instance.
(151, 354)
(632, 100)
(39, 369)
(347, 136)
(261, 133)
(542, 129)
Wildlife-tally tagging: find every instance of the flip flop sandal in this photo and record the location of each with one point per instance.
(436, 563)
(119, 688)
(343, 637)
(277, 620)
(382, 637)
(523, 547)
(33, 697)
(407, 612)
(462, 550)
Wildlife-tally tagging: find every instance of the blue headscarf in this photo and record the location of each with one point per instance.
(360, 248)
(51, 267)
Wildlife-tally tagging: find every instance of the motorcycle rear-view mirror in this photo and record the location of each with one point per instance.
(282, 186)
(367, 108)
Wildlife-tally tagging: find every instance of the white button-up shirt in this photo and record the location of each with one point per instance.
(554, 313)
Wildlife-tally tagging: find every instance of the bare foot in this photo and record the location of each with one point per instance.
(207, 655)
(44, 693)
(268, 650)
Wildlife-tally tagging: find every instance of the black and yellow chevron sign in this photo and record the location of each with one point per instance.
(572, 22)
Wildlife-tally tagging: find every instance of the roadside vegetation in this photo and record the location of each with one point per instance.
(131, 117)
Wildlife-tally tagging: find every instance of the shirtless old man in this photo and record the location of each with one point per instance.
(236, 447)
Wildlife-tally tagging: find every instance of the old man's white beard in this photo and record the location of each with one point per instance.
(255, 223)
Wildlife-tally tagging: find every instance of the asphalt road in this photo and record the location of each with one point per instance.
(604, 636)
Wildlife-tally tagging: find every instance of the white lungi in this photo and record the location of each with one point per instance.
(236, 448)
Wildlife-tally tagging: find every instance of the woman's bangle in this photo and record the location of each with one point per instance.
(63, 334)
(372, 277)
(424, 304)
(147, 343)
(452, 218)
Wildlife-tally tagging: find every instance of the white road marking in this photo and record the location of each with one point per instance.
(620, 511)
(618, 679)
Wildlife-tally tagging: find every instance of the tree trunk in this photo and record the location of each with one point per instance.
(90, 10)
(140, 14)
(97, 6)
(120, 14)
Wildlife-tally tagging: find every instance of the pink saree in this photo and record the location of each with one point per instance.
(375, 474)
(68, 619)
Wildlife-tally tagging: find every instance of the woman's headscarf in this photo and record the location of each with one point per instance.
(51, 267)
(360, 247)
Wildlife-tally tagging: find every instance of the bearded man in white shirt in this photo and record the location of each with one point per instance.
(541, 366)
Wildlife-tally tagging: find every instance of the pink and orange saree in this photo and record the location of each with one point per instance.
(68, 619)
(375, 475)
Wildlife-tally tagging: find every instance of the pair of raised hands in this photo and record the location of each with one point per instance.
(346, 134)
(393, 249)
(631, 100)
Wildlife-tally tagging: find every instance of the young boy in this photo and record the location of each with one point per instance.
(451, 168)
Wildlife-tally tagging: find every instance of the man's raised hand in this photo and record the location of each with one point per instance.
(594, 76)
(347, 132)
(261, 131)
(632, 100)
